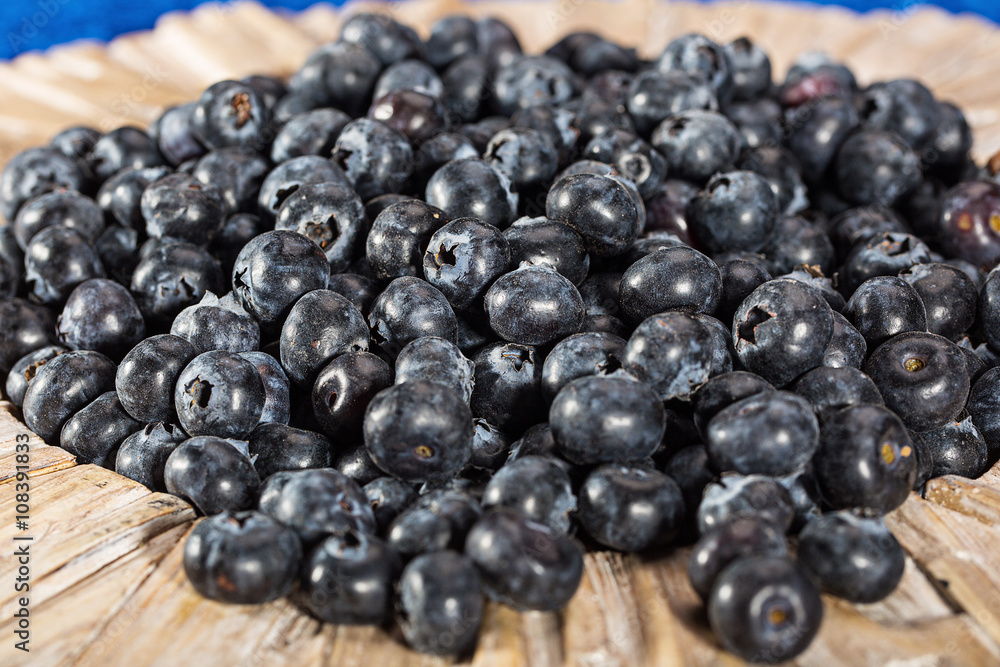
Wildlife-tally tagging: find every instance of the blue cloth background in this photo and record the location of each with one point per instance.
(38, 24)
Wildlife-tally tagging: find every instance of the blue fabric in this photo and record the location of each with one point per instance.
(38, 24)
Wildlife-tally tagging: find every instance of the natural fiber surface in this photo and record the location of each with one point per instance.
(107, 583)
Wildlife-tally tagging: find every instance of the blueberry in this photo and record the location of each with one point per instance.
(213, 474)
(579, 356)
(903, 106)
(143, 455)
(418, 431)
(242, 558)
(782, 330)
(359, 290)
(678, 278)
(751, 68)
(884, 254)
(949, 298)
(472, 188)
(354, 462)
(876, 167)
(319, 503)
(399, 236)
(605, 419)
(865, 460)
(490, 447)
(347, 579)
(989, 306)
(279, 447)
(852, 557)
(217, 324)
(631, 507)
(331, 215)
(970, 217)
(600, 209)
(957, 448)
(120, 197)
(847, 347)
(376, 159)
(277, 404)
(343, 389)
(771, 433)
(737, 210)
(817, 131)
(463, 258)
(531, 80)
(436, 360)
(385, 37)
(697, 143)
(923, 378)
(439, 603)
(388, 497)
(62, 387)
(182, 208)
(172, 277)
(27, 327)
(62, 207)
(231, 113)
(451, 37)
(733, 495)
(437, 151)
(100, 315)
(416, 115)
(320, 326)
(435, 521)
(236, 174)
(220, 394)
(765, 609)
(23, 371)
(672, 352)
(631, 155)
(984, 408)
(885, 306)
(289, 176)
(831, 389)
(507, 390)
(699, 56)
(407, 309)
(338, 74)
(409, 75)
(535, 486)
(739, 537)
(523, 563)
(57, 260)
(274, 270)
(527, 156)
(34, 172)
(312, 132)
(148, 374)
(94, 433)
(724, 390)
(123, 148)
(534, 305)
(540, 241)
(466, 83)
(173, 132)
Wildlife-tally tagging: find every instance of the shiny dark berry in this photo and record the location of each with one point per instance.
(418, 431)
(852, 557)
(631, 507)
(523, 563)
(213, 474)
(242, 558)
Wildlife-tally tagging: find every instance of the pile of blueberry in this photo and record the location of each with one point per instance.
(427, 320)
